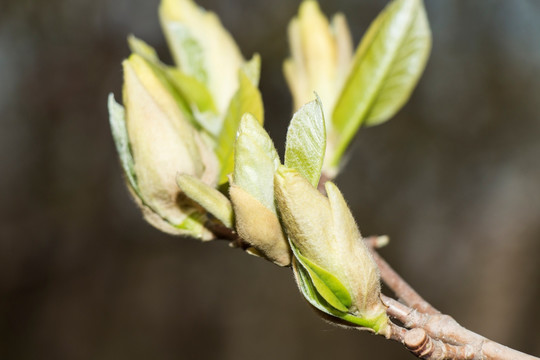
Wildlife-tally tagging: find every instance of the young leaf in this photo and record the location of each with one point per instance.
(202, 48)
(121, 140)
(308, 289)
(321, 53)
(246, 100)
(194, 91)
(306, 141)
(256, 161)
(327, 285)
(209, 198)
(193, 226)
(143, 59)
(192, 96)
(378, 322)
(252, 69)
(386, 68)
(141, 48)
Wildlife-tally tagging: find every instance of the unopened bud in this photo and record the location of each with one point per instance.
(325, 234)
(202, 48)
(163, 143)
(321, 54)
(252, 192)
(260, 227)
(321, 58)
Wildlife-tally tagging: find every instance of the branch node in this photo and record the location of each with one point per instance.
(417, 341)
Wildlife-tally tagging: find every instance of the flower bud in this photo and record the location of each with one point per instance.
(202, 48)
(321, 54)
(163, 144)
(321, 58)
(252, 192)
(259, 226)
(324, 233)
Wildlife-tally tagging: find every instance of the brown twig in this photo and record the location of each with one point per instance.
(418, 342)
(426, 332)
(439, 336)
(424, 347)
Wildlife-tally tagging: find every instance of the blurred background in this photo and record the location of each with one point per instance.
(454, 180)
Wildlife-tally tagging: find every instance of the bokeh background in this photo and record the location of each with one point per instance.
(454, 180)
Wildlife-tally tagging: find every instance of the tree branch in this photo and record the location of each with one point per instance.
(439, 336)
(425, 332)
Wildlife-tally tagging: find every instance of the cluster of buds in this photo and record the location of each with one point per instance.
(175, 133)
(196, 157)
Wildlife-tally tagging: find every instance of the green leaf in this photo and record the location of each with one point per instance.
(117, 118)
(308, 289)
(306, 141)
(194, 91)
(255, 161)
(386, 68)
(141, 48)
(188, 52)
(246, 100)
(327, 285)
(193, 96)
(252, 69)
(193, 225)
(202, 48)
(209, 198)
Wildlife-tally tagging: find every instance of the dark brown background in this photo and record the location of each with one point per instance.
(454, 179)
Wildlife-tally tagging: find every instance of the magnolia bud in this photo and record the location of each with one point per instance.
(324, 233)
(321, 54)
(321, 58)
(260, 227)
(252, 192)
(163, 144)
(202, 48)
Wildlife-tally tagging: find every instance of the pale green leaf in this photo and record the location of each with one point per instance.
(159, 71)
(210, 122)
(320, 55)
(121, 140)
(193, 96)
(202, 48)
(306, 141)
(141, 48)
(252, 69)
(187, 50)
(194, 91)
(193, 226)
(308, 289)
(255, 161)
(327, 285)
(246, 100)
(209, 198)
(386, 68)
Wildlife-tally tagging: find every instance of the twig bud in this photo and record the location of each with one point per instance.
(329, 245)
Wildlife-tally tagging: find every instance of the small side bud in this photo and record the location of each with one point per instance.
(252, 192)
(260, 227)
(163, 143)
